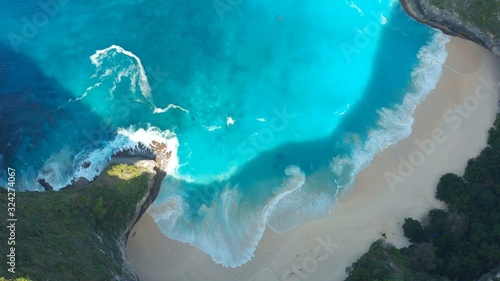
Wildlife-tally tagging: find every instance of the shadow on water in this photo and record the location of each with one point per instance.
(35, 114)
(401, 37)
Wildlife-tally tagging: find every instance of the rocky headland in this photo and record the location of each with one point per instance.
(80, 232)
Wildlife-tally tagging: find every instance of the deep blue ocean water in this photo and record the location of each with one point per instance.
(270, 109)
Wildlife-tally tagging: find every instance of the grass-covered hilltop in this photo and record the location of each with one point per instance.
(476, 20)
(76, 234)
(460, 243)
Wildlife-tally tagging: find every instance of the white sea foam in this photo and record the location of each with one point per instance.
(395, 123)
(111, 68)
(228, 229)
(230, 121)
(169, 211)
(300, 206)
(307, 203)
(212, 128)
(135, 71)
(61, 168)
(170, 106)
(344, 110)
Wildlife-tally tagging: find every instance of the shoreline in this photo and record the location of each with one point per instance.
(400, 182)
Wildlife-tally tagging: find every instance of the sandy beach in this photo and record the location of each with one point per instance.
(450, 127)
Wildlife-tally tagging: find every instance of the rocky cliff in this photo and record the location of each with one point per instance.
(80, 233)
(162, 157)
(450, 22)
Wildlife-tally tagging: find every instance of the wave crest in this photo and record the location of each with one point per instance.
(135, 70)
(63, 168)
(395, 124)
(229, 227)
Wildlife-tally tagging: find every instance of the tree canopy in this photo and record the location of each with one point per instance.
(462, 242)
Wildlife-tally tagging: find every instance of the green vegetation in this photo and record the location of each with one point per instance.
(483, 13)
(414, 230)
(384, 262)
(125, 171)
(73, 234)
(462, 243)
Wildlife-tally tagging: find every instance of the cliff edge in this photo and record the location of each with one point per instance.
(80, 233)
(451, 17)
(162, 157)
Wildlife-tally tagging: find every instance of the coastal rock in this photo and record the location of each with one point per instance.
(86, 164)
(45, 184)
(75, 183)
(450, 23)
(162, 157)
(140, 150)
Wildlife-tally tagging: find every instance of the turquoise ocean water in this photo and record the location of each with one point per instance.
(269, 108)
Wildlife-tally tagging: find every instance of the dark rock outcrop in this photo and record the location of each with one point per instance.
(140, 150)
(76, 183)
(86, 164)
(45, 184)
(450, 23)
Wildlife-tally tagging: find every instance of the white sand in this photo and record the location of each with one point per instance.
(370, 209)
